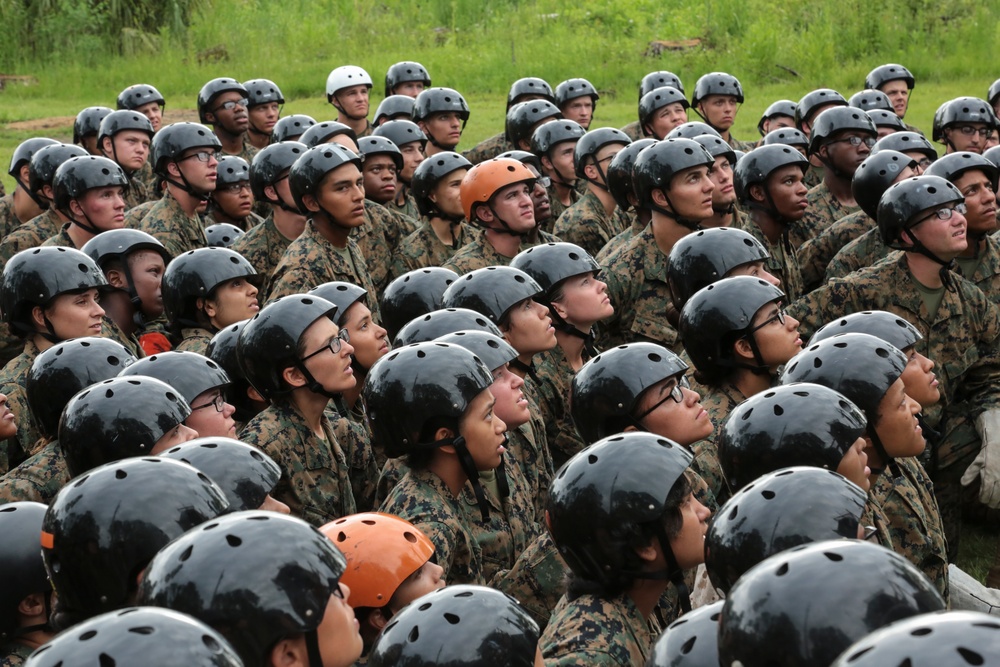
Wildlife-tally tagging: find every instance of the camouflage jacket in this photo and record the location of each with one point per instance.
(814, 176)
(718, 401)
(14, 654)
(378, 240)
(61, 238)
(135, 193)
(815, 254)
(12, 384)
(195, 339)
(314, 472)
(620, 239)
(556, 207)
(423, 248)
(247, 150)
(488, 149)
(586, 224)
(177, 231)
(538, 579)
(783, 263)
(407, 208)
(555, 376)
(134, 215)
(595, 632)
(866, 250)
(263, 247)
(8, 221)
(38, 478)
(351, 430)
(987, 273)
(824, 209)
(531, 455)
(480, 253)
(30, 235)
(634, 131)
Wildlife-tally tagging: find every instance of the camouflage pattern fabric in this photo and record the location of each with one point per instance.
(195, 339)
(38, 478)
(554, 376)
(30, 235)
(423, 248)
(586, 224)
(172, 227)
(634, 131)
(538, 579)
(782, 262)
(351, 430)
(12, 384)
(263, 246)
(61, 238)
(556, 207)
(592, 631)
(824, 210)
(866, 250)
(488, 149)
(8, 221)
(14, 654)
(815, 254)
(134, 216)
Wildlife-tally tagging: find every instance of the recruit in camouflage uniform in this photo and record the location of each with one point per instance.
(8, 221)
(30, 235)
(556, 207)
(555, 375)
(480, 253)
(782, 262)
(135, 215)
(816, 254)
(378, 238)
(824, 209)
(864, 251)
(351, 430)
(38, 478)
(408, 207)
(263, 246)
(168, 223)
(591, 630)
(586, 224)
(135, 193)
(195, 339)
(423, 248)
(12, 385)
(535, 464)
(488, 149)
(634, 131)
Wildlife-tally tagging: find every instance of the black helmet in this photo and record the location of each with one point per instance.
(244, 473)
(139, 95)
(269, 341)
(570, 89)
(427, 175)
(212, 90)
(229, 575)
(715, 317)
(928, 640)
(656, 166)
(778, 108)
(883, 118)
(778, 511)
(757, 165)
(529, 85)
(374, 145)
(656, 99)
(838, 119)
(310, 169)
(262, 91)
(222, 235)
(232, 169)
(35, 276)
(811, 101)
(66, 368)
(655, 80)
(115, 245)
(993, 155)
(524, 157)
(606, 391)
(23, 571)
(341, 294)
(290, 128)
(546, 136)
(401, 132)
(195, 275)
(692, 640)
(994, 92)
(413, 294)
(24, 152)
(122, 120)
(905, 142)
(416, 384)
(619, 175)
(962, 110)
(904, 203)
(869, 100)
(222, 350)
(437, 323)
(321, 133)
(601, 496)
(523, 116)
(787, 136)
(46, 160)
(891, 328)
(404, 72)
(103, 528)
(491, 350)
(692, 129)
(171, 142)
(77, 175)
(827, 595)
(189, 373)
(800, 424)
(438, 100)
(491, 291)
(394, 107)
(134, 636)
(717, 147)
(270, 164)
(874, 176)
(551, 263)
(951, 166)
(706, 256)
(592, 142)
(117, 419)
(88, 123)
(716, 83)
(883, 74)
(495, 631)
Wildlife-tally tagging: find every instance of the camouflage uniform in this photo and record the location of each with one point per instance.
(135, 193)
(38, 478)
(134, 216)
(634, 131)
(874, 516)
(314, 481)
(824, 209)
(30, 235)
(311, 260)
(488, 149)
(986, 275)
(146, 176)
(555, 376)
(586, 224)
(531, 455)
(538, 579)
(636, 275)
(591, 631)
(815, 254)
(906, 495)
(556, 207)
(620, 239)
(866, 250)
(367, 132)
(423, 248)
(194, 339)
(247, 150)
(14, 654)
(718, 401)
(351, 429)
(480, 253)
(263, 247)
(12, 384)
(377, 240)
(737, 145)
(782, 263)
(8, 221)
(408, 208)
(172, 227)
(61, 238)
(813, 177)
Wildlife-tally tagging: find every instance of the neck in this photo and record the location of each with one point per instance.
(446, 466)
(505, 244)
(572, 348)
(188, 202)
(310, 406)
(359, 125)
(118, 307)
(25, 207)
(974, 248)
(232, 144)
(718, 220)
(41, 342)
(839, 187)
(771, 228)
(607, 201)
(78, 235)
(442, 229)
(667, 232)
(564, 193)
(646, 593)
(35, 638)
(290, 225)
(221, 216)
(258, 139)
(750, 384)
(335, 234)
(352, 395)
(525, 359)
(926, 271)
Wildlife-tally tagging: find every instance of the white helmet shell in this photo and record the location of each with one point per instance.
(345, 77)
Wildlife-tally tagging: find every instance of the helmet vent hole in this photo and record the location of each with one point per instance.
(90, 634)
(817, 363)
(186, 554)
(882, 352)
(106, 660)
(455, 620)
(421, 354)
(143, 630)
(592, 459)
(747, 414)
(920, 632)
(120, 474)
(778, 411)
(970, 657)
(211, 644)
(341, 536)
(233, 541)
(783, 570)
(425, 606)
(414, 635)
(864, 651)
(768, 495)
(688, 645)
(409, 537)
(835, 557)
(734, 513)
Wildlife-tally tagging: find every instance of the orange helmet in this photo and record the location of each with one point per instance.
(382, 550)
(486, 178)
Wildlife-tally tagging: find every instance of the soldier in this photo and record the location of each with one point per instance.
(406, 78)
(232, 201)
(886, 122)
(716, 99)
(778, 115)
(24, 621)
(239, 393)
(394, 107)
(86, 126)
(964, 124)
(223, 104)
(808, 108)
(89, 193)
(22, 204)
(661, 110)
(650, 82)
(145, 99)
(441, 114)
(522, 90)
(629, 212)
(524, 118)
(347, 89)
(721, 174)
(897, 84)
(264, 102)
(555, 146)
(381, 163)
(125, 137)
(577, 100)
(290, 128)
(411, 142)
(412, 295)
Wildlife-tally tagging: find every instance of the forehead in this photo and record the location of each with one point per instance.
(321, 330)
(228, 96)
(345, 172)
(710, 99)
(378, 159)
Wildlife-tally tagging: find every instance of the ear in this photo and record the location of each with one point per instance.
(743, 349)
(757, 192)
(590, 169)
(76, 209)
(48, 192)
(107, 145)
(559, 309)
(271, 195)
(906, 236)
(38, 318)
(32, 605)
(294, 377)
(484, 213)
(823, 151)
(207, 306)
(660, 199)
(648, 553)
(289, 652)
(173, 169)
(209, 117)
(116, 278)
(547, 163)
(443, 434)
(25, 173)
(311, 203)
(629, 429)
(377, 619)
(524, 145)
(255, 396)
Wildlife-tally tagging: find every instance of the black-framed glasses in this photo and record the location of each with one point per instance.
(946, 213)
(778, 316)
(335, 344)
(544, 181)
(232, 104)
(970, 130)
(855, 140)
(339, 591)
(236, 188)
(219, 403)
(675, 394)
(203, 156)
(923, 164)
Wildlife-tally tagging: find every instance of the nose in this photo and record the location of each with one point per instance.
(228, 409)
(925, 362)
(346, 349)
(691, 396)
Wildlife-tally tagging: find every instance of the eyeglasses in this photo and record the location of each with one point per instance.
(676, 395)
(339, 591)
(203, 156)
(855, 141)
(219, 402)
(232, 104)
(779, 317)
(945, 213)
(970, 130)
(544, 181)
(926, 162)
(337, 342)
(235, 188)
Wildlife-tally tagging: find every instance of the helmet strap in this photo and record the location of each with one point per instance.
(674, 572)
(602, 184)
(41, 201)
(314, 386)
(918, 247)
(693, 225)
(340, 109)
(504, 227)
(470, 470)
(880, 450)
(89, 227)
(312, 648)
(185, 186)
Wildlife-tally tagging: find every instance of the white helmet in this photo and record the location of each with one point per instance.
(345, 77)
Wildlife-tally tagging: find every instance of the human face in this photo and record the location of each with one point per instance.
(445, 127)
(447, 194)
(511, 405)
(897, 425)
(884, 130)
(688, 545)
(146, 268)
(777, 122)
(560, 162)
(234, 120)
(484, 432)
(944, 238)
(922, 162)
(429, 577)
(235, 200)
(898, 94)
(530, 329)
(584, 301)
(233, 301)
(685, 421)
(263, 117)
(272, 504)
(777, 340)
(667, 118)
(154, 112)
(338, 634)
(332, 371)
(207, 419)
(413, 155)
(919, 380)
(540, 197)
(341, 196)
(513, 206)
(131, 149)
(980, 200)
(8, 422)
(966, 137)
(103, 207)
(755, 270)
(724, 194)
(76, 314)
(690, 193)
(854, 465)
(788, 192)
(843, 154)
(178, 435)
(380, 178)
(409, 88)
(353, 101)
(580, 109)
(599, 172)
(719, 111)
(369, 340)
(201, 176)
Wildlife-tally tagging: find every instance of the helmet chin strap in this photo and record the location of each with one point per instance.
(89, 227)
(280, 203)
(313, 385)
(690, 223)
(340, 109)
(504, 227)
(186, 186)
(918, 247)
(41, 201)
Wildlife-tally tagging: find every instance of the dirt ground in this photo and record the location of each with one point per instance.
(55, 122)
